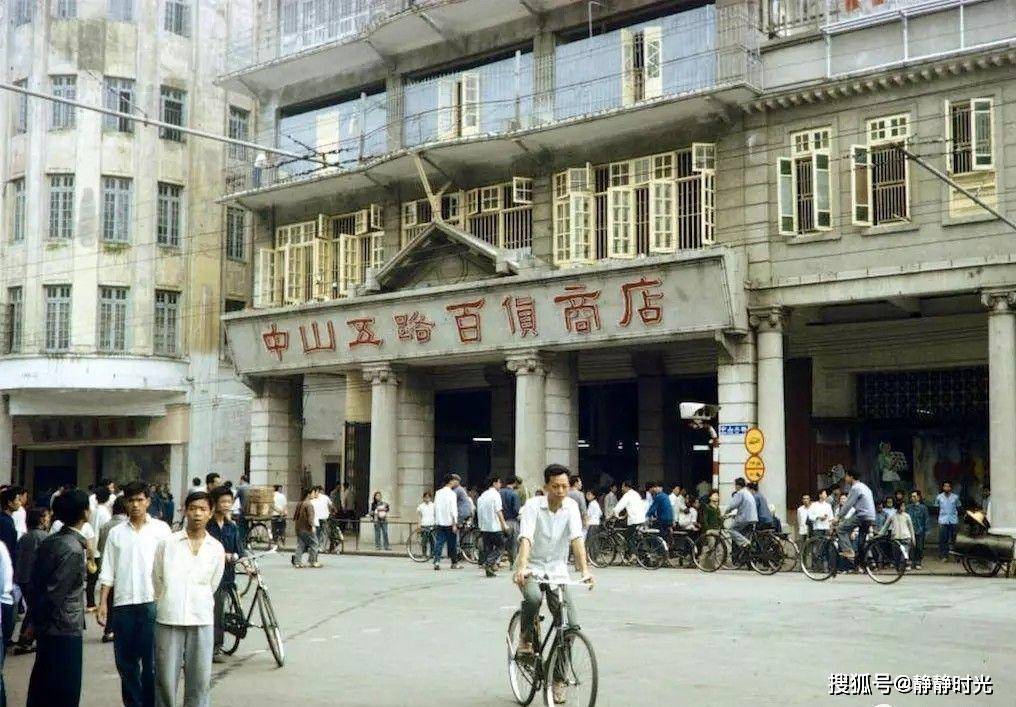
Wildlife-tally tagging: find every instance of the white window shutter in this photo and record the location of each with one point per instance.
(982, 123)
(409, 214)
(375, 241)
(447, 108)
(703, 156)
(620, 243)
(662, 194)
(264, 278)
(653, 61)
(627, 68)
(580, 179)
(949, 166)
(470, 104)
(321, 267)
(822, 200)
(860, 185)
(522, 190)
(562, 232)
(786, 196)
(580, 239)
(349, 271)
(362, 219)
(473, 202)
(376, 217)
(293, 277)
(708, 211)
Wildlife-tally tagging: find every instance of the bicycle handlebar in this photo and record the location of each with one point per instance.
(546, 579)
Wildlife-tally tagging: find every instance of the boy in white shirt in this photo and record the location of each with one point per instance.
(820, 513)
(802, 516)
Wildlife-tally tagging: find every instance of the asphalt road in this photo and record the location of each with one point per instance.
(385, 631)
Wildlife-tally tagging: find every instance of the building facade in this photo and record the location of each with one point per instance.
(514, 247)
(117, 260)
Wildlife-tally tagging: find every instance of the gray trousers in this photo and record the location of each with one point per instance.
(532, 599)
(188, 648)
(306, 542)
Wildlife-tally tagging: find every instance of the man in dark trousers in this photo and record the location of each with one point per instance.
(10, 501)
(226, 532)
(58, 606)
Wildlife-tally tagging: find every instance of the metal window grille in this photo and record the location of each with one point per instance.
(236, 230)
(888, 184)
(168, 215)
(121, 10)
(21, 109)
(65, 9)
(23, 12)
(943, 394)
(15, 312)
(239, 129)
(177, 17)
(118, 95)
(18, 211)
(116, 209)
(805, 195)
(172, 111)
(58, 317)
(61, 206)
(112, 319)
(63, 114)
(165, 322)
(962, 154)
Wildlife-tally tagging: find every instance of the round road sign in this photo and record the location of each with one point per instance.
(754, 468)
(754, 441)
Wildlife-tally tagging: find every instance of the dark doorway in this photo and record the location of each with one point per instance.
(608, 433)
(331, 475)
(687, 456)
(358, 463)
(50, 469)
(462, 435)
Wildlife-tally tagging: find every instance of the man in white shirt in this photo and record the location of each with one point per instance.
(280, 504)
(490, 519)
(446, 517)
(677, 500)
(20, 516)
(634, 506)
(128, 558)
(322, 512)
(820, 513)
(188, 566)
(802, 516)
(548, 526)
(93, 499)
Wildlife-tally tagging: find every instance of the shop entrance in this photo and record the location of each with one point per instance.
(608, 433)
(462, 436)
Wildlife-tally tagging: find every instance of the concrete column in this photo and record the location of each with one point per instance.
(544, 45)
(1002, 408)
(178, 481)
(6, 442)
(561, 410)
(275, 434)
(395, 91)
(770, 324)
(650, 401)
(735, 377)
(502, 420)
(384, 430)
(530, 371)
(416, 447)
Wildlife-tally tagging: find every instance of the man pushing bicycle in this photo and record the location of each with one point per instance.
(548, 525)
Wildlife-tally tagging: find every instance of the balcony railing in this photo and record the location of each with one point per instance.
(705, 50)
(784, 18)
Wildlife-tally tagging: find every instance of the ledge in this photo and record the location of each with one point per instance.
(818, 237)
(891, 229)
(965, 220)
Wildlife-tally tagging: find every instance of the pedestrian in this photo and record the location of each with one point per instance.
(575, 494)
(859, 501)
(169, 505)
(57, 600)
(918, 513)
(223, 529)
(280, 505)
(20, 516)
(446, 518)
(425, 512)
(949, 507)
(745, 510)
(490, 520)
(703, 489)
(634, 508)
(688, 519)
(348, 504)
(102, 514)
(125, 581)
(196, 486)
(188, 567)
(712, 516)
(661, 511)
(7, 612)
(10, 502)
(610, 500)
(899, 499)
(511, 505)
(303, 522)
(322, 512)
(24, 561)
(820, 513)
(211, 481)
(119, 516)
(677, 499)
(880, 514)
(93, 498)
(594, 513)
(803, 522)
(379, 510)
(901, 527)
(765, 516)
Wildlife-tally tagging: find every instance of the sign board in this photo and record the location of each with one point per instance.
(736, 429)
(754, 441)
(569, 310)
(754, 468)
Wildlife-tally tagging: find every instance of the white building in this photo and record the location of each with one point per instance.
(117, 260)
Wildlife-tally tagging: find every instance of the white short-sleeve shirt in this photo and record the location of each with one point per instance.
(487, 507)
(550, 535)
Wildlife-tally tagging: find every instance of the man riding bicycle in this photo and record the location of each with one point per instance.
(860, 499)
(634, 508)
(548, 525)
(742, 507)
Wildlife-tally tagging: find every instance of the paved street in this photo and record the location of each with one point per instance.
(383, 631)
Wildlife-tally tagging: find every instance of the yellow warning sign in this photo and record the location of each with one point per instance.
(754, 441)
(754, 468)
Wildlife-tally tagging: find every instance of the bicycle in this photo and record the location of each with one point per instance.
(469, 543)
(716, 549)
(259, 536)
(235, 623)
(420, 547)
(682, 549)
(334, 542)
(644, 546)
(564, 653)
(791, 552)
(884, 559)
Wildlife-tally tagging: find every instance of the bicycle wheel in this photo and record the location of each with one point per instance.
(416, 547)
(884, 560)
(271, 627)
(522, 675)
(573, 669)
(710, 552)
(651, 552)
(258, 536)
(469, 545)
(765, 554)
(334, 538)
(981, 566)
(791, 554)
(682, 551)
(601, 550)
(234, 624)
(818, 558)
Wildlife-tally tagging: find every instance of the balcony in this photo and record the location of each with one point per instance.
(787, 18)
(696, 63)
(310, 39)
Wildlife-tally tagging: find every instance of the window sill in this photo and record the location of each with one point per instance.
(114, 247)
(890, 229)
(816, 237)
(240, 261)
(57, 243)
(169, 248)
(983, 217)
